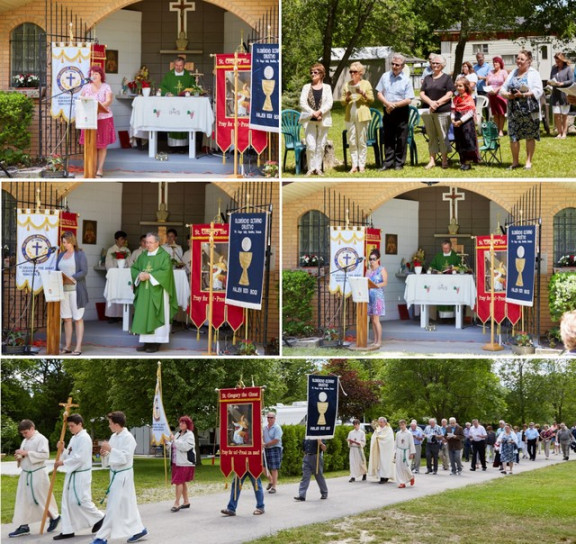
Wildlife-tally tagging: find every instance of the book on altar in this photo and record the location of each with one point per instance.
(53, 285)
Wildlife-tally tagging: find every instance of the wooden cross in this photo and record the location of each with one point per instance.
(453, 196)
(182, 7)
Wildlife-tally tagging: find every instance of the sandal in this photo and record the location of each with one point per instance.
(175, 509)
(65, 351)
(258, 512)
(76, 353)
(99, 174)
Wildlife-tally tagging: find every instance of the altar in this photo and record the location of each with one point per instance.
(427, 290)
(153, 114)
(118, 290)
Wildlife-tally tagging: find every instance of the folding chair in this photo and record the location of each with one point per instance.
(413, 122)
(292, 141)
(490, 148)
(372, 138)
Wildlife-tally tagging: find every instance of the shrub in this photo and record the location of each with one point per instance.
(297, 291)
(562, 294)
(16, 112)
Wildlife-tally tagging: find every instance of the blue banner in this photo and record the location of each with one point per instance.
(246, 258)
(521, 264)
(265, 92)
(322, 406)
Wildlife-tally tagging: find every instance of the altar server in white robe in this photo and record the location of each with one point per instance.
(381, 463)
(33, 484)
(122, 518)
(356, 441)
(405, 451)
(136, 253)
(78, 510)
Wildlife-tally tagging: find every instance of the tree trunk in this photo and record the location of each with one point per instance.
(328, 39)
(459, 51)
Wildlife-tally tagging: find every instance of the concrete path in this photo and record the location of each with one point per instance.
(204, 523)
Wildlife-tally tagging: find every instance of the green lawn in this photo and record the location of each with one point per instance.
(550, 159)
(538, 505)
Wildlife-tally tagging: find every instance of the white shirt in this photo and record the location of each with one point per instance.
(477, 433)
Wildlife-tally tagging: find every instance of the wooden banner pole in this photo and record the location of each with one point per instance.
(492, 346)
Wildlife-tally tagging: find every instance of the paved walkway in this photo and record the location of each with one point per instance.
(204, 523)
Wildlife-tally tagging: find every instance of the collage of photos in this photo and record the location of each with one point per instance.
(247, 244)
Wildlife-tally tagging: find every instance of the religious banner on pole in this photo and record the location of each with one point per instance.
(265, 89)
(68, 222)
(98, 56)
(521, 264)
(160, 428)
(372, 241)
(230, 95)
(246, 259)
(346, 256)
(502, 309)
(201, 276)
(70, 66)
(241, 431)
(322, 406)
(37, 236)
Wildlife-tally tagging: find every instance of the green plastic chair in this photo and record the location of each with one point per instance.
(372, 137)
(490, 148)
(413, 122)
(292, 141)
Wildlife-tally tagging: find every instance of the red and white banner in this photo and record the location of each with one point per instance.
(201, 276)
(68, 222)
(502, 309)
(241, 431)
(228, 98)
(372, 241)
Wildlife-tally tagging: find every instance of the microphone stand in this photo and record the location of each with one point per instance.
(71, 90)
(29, 348)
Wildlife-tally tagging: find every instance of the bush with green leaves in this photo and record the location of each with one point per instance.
(297, 291)
(562, 294)
(9, 434)
(16, 113)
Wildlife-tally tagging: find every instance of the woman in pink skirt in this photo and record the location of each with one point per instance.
(182, 469)
(105, 134)
(498, 104)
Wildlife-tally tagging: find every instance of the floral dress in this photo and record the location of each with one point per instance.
(106, 133)
(523, 113)
(376, 304)
(507, 448)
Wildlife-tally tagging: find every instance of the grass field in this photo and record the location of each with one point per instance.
(535, 506)
(550, 159)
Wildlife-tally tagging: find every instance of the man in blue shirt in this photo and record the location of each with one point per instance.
(418, 439)
(532, 435)
(272, 435)
(482, 70)
(395, 91)
(312, 465)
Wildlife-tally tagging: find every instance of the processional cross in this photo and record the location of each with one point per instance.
(453, 196)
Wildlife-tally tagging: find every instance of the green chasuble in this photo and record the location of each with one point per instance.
(441, 263)
(149, 299)
(171, 83)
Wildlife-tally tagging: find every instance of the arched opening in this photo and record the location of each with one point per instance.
(27, 47)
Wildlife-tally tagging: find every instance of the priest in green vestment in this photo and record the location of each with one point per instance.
(155, 302)
(444, 262)
(173, 83)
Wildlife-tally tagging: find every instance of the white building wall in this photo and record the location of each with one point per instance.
(101, 202)
(397, 217)
(122, 31)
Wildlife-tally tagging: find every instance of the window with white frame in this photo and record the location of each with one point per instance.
(480, 48)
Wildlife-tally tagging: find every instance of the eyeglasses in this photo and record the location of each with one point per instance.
(373, 259)
(353, 71)
(270, 417)
(396, 64)
(435, 63)
(314, 72)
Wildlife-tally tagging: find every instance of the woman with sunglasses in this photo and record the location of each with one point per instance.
(357, 95)
(436, 93)
(376, 305)
(561, 76)
(316, 103)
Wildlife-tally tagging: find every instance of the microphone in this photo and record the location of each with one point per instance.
(359, 260)
(86, 80)
(52, 249)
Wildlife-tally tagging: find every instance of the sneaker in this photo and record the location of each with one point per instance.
(324, 496)
(227, 512)
(138, 536)
(300, 499)
(22, 530)
(53, 524)
(99, 541)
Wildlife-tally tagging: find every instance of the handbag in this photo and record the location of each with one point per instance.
(191, 456)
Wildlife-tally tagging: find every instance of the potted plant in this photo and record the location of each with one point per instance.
(522, 344)
(246, 347)
(14, 342)
(270, 169)
(120, 257)
(553, 337)
(27, 84)
(330, 338)
(54, 167)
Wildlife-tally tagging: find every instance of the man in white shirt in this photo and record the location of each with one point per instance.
(477, 436)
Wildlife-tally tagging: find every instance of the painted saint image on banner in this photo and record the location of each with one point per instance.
(241, 97)
(239, 425)
(500, 273)
(219, 273)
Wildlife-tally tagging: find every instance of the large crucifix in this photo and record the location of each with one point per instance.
(182, 7)
(453, 196)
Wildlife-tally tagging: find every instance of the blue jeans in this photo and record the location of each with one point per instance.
(235, 492)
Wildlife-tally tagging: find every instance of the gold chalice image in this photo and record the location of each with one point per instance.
(520, 264)
(245, 258)
(268, 88)
(322, 408)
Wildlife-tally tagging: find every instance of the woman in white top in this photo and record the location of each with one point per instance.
(316, 103)
(182, 469)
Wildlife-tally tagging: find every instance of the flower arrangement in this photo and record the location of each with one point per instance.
(331, 334)
(55, 163)
(523, 339)
(270, 169)
(141, 80)
(246, 347)
(311, 260)
(567, 260)
(416, 260)
(26, 80)
(120, 255)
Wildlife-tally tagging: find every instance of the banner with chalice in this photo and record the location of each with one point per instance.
(322, 406)
(265, 91)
